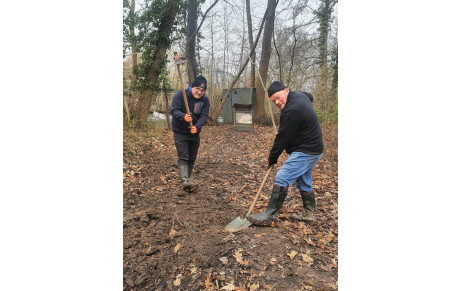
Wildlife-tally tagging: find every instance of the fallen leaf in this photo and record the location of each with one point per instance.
(177, 282)
(292, 254)
(239, 258)
(327, 268)
(330, 236)
(207, 281)
(224, 260)
(307, 259)
(326, 239)
(172, 233)
(254, 287)
(259, 235)
(309, 241)
(273, 261)
(334, 262)
(177, 248)
(229, 286)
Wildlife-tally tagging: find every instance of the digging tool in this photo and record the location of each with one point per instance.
(179, 60)
(238, 224)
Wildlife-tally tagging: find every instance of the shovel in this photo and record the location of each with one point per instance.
(238, 224)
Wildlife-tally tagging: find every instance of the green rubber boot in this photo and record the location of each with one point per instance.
(309, 207)
(183, 175)
(190, 169)
(193, 185)
(276, 201)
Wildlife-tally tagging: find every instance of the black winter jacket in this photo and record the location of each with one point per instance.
(299, 129)
(199, 109)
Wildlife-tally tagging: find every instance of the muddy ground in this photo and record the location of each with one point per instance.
(174, 240)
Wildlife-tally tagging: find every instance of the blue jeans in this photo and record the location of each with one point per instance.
(299, 168)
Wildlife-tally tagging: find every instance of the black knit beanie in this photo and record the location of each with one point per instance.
(200, 81)
(275, 87)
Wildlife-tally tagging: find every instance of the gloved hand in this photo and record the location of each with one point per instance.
(187, 117)
(272, 161)
(193, 129)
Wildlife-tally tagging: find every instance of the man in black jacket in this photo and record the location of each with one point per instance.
(186, 137)
(300, 135)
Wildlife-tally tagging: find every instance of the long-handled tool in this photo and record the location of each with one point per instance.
(238, 224)
(178, 60)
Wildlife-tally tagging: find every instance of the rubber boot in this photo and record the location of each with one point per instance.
(309, 207)
(190, 168)
(183, 175)
(276, 201)
(194, 186)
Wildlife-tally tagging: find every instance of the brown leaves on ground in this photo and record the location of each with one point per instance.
(176, 241)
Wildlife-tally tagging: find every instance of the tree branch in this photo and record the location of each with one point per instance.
(201, 23)
(219, 108)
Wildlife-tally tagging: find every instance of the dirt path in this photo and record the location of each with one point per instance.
(176, 241)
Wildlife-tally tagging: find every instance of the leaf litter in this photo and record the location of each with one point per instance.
(184, 233)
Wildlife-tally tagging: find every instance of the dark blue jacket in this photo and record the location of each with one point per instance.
(299, 129)
(199, 109)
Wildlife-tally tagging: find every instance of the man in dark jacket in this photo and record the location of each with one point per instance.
(300, 135)
(186, 137)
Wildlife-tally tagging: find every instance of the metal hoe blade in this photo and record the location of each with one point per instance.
(238, 224)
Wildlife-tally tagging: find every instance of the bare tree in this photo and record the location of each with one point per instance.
(280, 67)
(192, 15)
(192, 32)
(265, 59)
(324, 14)
(251, 44)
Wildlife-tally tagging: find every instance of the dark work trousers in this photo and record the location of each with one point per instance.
(187, 147)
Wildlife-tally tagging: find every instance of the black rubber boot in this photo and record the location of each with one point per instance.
(183, 175)
(276, 201)
(309, 207)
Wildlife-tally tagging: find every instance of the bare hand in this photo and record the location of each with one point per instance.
(193, 130)
(187, 117)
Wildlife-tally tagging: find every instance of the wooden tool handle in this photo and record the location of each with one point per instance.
(260, 190)
(183, 92)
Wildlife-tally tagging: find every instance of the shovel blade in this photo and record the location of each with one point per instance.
(238, 224)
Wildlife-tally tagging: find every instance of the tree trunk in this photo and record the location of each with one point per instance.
(280, 67)
(240, 61)
(324, 14)
(335, 71)
(192, 15)
(265, 59)
(167, 108)
(252, 83)
(211, 84)
(324, 76)
(133, 38)
(291, 66)
(161, 44)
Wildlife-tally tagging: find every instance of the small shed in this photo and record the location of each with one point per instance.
(243, 117)
(238, 96)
